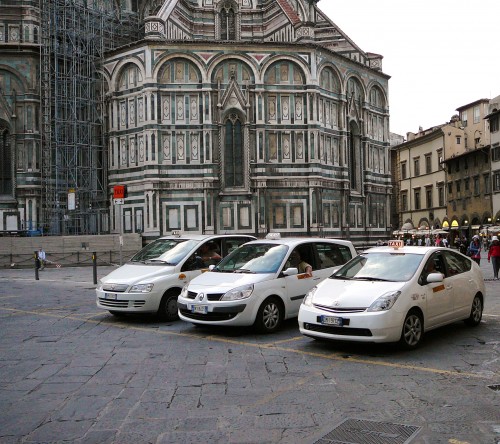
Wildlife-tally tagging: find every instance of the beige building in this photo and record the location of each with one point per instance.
(493, 118)
(468, 171)
(443, 175)
(421, 201)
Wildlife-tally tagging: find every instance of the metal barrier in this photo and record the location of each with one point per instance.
(73, 259)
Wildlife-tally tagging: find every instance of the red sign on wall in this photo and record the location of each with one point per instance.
(119, 192)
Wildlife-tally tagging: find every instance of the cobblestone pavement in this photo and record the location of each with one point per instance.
(72, 373)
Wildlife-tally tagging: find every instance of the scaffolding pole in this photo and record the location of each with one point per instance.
(75, 37)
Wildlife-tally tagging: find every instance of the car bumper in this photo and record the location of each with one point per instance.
(221, 313)
(382, 326)
(128, 302)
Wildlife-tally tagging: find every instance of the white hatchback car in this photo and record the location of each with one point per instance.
(395, 293)
(263, 282)
(151, 281)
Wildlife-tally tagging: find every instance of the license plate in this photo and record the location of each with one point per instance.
(200, 309)
(110, 296)
(331, 320)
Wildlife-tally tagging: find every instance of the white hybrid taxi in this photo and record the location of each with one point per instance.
(152, 280)
(395, 294)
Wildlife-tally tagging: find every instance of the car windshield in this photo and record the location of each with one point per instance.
(254, 258)
(390, 266)
(165, 251)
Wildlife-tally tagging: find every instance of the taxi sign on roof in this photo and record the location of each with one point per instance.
(396, 244)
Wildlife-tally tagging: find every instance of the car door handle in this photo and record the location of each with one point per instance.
(316, 279)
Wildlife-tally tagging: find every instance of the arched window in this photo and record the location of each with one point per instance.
(233, 152)
(329, 80)
(5, 162)
(130, 77)
(354, 89)
(354, 153)
(228, 22)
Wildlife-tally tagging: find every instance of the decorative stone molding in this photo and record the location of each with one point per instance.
(154, 28)
(305, 32)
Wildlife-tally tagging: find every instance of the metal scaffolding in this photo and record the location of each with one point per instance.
(75, 37)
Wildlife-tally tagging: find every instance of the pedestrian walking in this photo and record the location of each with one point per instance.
(474, 250)
(438, 242)
(41, 259)
(494, 255)
(427, 240)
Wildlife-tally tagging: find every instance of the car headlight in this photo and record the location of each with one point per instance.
(184, 292)
(308, 300)
(238, 293)
(141, 288)
(384, 302)
(99, 286)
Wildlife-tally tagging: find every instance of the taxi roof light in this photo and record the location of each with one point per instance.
(176, 233)
(273, 236)
(396, 244)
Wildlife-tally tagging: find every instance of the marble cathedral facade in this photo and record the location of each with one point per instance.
(246, 116)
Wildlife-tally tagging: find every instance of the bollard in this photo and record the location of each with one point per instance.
(37, 278)
(94, 266)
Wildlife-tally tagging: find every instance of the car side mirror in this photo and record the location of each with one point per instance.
(434, 277)
(291, 271)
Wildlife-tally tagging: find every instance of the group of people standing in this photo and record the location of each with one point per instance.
(474, 251)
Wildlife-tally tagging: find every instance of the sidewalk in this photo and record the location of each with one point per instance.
(52, 273)
(85, 274)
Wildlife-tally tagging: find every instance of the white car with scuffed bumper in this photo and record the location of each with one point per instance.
(259, 284)
(394, 294)
(153, 278)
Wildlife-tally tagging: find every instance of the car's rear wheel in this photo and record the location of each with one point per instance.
(476, 312)
(270, 315)
(412, 331)
(168, 306)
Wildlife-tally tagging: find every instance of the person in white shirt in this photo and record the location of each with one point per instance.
(41, 259)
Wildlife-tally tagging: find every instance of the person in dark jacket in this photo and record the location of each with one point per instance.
(494, 255)
(474, 250)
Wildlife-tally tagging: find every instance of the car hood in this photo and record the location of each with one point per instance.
(337, 293)
(134, 273)
(226, 281)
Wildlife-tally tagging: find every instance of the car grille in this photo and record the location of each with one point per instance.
(332, 330)
(210, 296)
(115, 288)
(207, 317)
(121, 304)
(340, 310)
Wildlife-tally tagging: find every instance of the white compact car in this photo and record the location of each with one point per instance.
(151, 281)
(262, 282)
(395, 293)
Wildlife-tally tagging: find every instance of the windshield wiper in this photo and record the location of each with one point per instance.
(370, 278)
(244, 270)
(152, 261)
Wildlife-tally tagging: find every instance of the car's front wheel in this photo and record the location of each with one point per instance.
(270, 315)
(476, 312)
(168, 306)
(412, 331)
